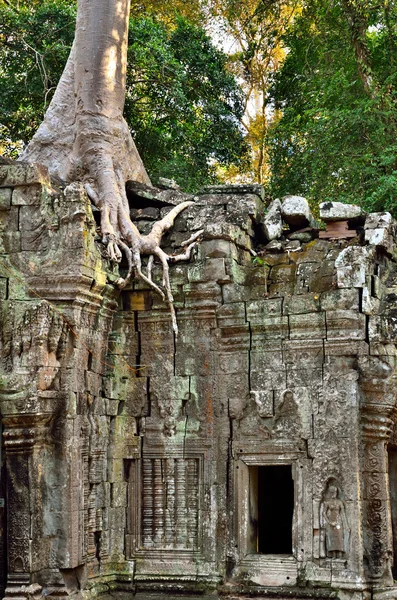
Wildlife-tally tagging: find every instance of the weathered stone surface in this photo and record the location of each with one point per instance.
(140, 193)
(240, 189)
(380, 238)
(303, 237)
(338, 211)
(168, 184)
(272, 222)
(5, 198)
(352, 266)
(295, 211)
(137, 463)
(381, 220)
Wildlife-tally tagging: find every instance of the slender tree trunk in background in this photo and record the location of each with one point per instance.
(85, 137)
(358, 25)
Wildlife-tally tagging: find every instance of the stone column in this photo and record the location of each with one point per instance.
(376, 426)
(24, 438)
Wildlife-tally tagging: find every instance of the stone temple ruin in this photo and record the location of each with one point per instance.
(254, 455)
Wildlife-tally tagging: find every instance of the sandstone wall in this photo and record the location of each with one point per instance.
(130, 455)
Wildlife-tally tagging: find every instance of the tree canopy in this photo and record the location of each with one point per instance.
(182, 103)
(336, 92)
(309, 86)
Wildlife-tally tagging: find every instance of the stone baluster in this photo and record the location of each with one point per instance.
(180, 497)
(192, 498)
(170, 503)
(158, 502)
(147, 516)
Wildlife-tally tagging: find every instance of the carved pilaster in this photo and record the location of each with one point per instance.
(376, 427)
(24, 436)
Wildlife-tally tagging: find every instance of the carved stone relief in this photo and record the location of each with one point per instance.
(333, 522)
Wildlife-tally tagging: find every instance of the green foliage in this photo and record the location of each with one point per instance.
(35, 42)
(182, 103)
(337, 137)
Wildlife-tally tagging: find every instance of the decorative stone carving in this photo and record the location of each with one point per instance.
(288, 421)
(134, 460)
(334, 523)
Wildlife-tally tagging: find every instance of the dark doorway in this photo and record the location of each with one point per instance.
(275, 509)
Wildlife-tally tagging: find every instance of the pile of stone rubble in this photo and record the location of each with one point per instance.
(289, 222)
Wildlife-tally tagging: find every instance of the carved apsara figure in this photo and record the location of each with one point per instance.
(288, 422)
(334, 522)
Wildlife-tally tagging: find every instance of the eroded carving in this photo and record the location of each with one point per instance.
(333, 521)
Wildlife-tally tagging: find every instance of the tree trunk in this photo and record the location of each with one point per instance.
(358, 25)
(85, 137)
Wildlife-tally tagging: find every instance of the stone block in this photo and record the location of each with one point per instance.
(27, 195)
(211, 270)
(243, 211)
(302, 303)
(278, 290)
(9, 220)
(338, 211)
(307, 326)
(93, 383)
(270, 329)
(137, 300)
(19, 174)
(11, 242)
(295, 211)
(3, 288)
(242, 293)
(262, 378)
(258, 310)
(227, 231)
(234, 362)
(238, 189)
(231, 314)
(352, 266)
(370, 305)
(215, 248)
(136, 190)
(111, 407)
(118, 494)
(283, 274)
(381, 238)
(272, 224)
(145, 214)
(115, 471)
(233, 338)
(341, 299)
(311, 377)
(299, 354)
(235, 385)
(116, 543)
(382, 220)
(345, 324)
(202, 295)
(5, 198)
(256, 275)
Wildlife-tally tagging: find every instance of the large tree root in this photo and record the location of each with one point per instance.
(134, 245)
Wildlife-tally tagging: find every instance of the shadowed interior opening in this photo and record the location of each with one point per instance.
(272, 490)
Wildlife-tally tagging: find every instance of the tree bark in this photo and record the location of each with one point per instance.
(85, 137)
(358, 24)
(83, 134)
